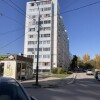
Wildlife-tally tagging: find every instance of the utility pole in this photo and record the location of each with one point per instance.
(38, 35)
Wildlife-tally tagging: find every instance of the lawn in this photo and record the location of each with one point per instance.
(54, 75)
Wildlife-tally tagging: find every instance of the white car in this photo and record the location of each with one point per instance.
(89, 72)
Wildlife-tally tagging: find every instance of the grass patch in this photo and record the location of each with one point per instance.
(54, 75)
(60, 75)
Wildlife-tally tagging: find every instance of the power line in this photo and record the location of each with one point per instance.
(17, 6)
(13, 7)
(11, 31)
(21, 11)
(54, 15)
(1, 14)
(80, 7)
(11, 42)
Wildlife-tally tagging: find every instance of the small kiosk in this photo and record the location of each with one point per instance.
(16, 66)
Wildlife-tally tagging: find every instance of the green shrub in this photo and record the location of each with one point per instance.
(69, 72)
(54, 70)
(60, 71)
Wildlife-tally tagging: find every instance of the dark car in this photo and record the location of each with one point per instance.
(97, 75)
(10, 89)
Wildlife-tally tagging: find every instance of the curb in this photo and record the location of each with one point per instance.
(73, 79)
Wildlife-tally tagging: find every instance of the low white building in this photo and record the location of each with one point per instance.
(16, 66)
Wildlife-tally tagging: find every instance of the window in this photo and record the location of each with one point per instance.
(41, 22)
(30, 36)
(30, 42)
(47, 2)
(46, 63)
(32, 4)
(47, 28)
(46, 49)
(47, 21)
(48, 8)
(41, 9)
(40, 56)
(46, 56)
(1, 69)
(40, 49)
(47, 15)
(46, 42)
(30, 56)
(40, 42)
(30, 49)
(31, 29)
(45, 35)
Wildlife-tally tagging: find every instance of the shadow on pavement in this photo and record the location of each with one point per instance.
(81, 89)
(43, 83)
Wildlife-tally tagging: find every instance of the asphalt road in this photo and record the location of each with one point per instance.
(84, 88)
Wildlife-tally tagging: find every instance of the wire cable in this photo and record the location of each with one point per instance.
(13, 7)
(11, 31)
(61, 13)
(11, 42)
(80, 7)
(18, 10)
(17, 6)
(1, 14)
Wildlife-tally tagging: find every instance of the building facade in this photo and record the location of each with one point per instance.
(53, 39)
(16, 66)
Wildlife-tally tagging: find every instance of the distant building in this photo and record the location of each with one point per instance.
(54, 43)
(16, 66)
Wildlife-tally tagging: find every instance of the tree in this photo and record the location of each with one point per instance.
(73, 63)
(97, 61)
(86, 58)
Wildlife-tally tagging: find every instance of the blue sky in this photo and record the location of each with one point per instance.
(83, 26)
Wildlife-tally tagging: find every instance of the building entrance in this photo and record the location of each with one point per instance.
(1, 69)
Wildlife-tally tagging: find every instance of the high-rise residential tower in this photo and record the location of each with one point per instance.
(53, 39)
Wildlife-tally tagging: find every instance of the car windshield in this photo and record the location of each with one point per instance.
(11, 91)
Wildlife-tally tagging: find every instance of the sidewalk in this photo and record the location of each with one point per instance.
(49, 82)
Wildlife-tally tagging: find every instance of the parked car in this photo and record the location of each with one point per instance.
(10, 89)
(89, 72)
(97, 75)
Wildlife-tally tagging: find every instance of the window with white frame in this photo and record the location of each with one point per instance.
(47, 28)
(46, 49)
(30, 36)
(31, 29)
(45, 35)
(46, 56)
(47, 21)
(47, 8)
(47, 15)
(40, 56)
(30, 49)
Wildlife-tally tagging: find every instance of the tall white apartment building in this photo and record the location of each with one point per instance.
(53, 39)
